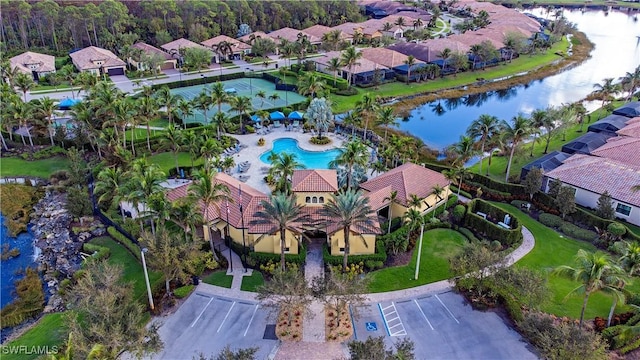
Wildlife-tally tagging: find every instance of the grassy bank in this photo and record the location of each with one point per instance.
(13, 166)
(16, 203)
(48, 333)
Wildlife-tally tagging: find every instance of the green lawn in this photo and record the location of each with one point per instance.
(13, 166)
(166, 161)
(438, 246)
(61, 87)
(159, 123)
(219, 278)
(132, 269)
(522, 64)
(48, 332)
(251, 283)
(140, 133)
(552, 250)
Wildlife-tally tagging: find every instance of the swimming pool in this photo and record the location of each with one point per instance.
(310, 159)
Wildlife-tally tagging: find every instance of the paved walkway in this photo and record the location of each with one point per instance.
(313, 328)
(235, 267)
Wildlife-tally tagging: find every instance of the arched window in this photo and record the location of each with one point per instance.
(308, 199)
(314, 200)
(321, 199)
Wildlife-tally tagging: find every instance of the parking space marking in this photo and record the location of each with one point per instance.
(250, 321)
(201, 312)
(226, 316)
(386, 317)
(446, 308)
(422, 312)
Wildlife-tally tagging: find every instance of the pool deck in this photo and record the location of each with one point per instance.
(252, 152)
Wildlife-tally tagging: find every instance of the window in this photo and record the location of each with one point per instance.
(286, 250)
(307, 199)
(623, 209)
(314, 200)
(321, 199)
(342, 249)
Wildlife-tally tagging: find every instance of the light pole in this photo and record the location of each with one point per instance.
(250, 86)
(419, 250)
(146, 277)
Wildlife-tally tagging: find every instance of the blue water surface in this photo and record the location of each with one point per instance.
(310, 159)
(13, 269)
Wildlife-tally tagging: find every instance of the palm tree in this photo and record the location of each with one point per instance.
(261, 94)
(201, 102)
(483, 127)
(209, 148)
(349, 210)
(538, 120)
(630, 82)
(224, 49)
(386, 117)
(147, 110)
(45, 107)
(366, 107)
(243, 106)
(185, 108)
(110, 185)
(606, 90)
(124, 111)
(144, 182)
(592, 271)
(391, 199)
(409, 62)
(417, 23)
(349, 58)
(185, 213)
(334, 65)
(413, 219)
(287, 49)
(445, 54)
(219, 122)
(281, 213)
(190, 141)
(515, 132)
(274, 97)
(311, 84)
(219, 96)
(168, 100)
(437, 191)
(464, 149)
(172, 141)
(282, 167)
(22, 113)
(210, 192)
(353, 153)
(401, 22)
(414, 201)
(630, 259)
(24, 82)
(457, 174)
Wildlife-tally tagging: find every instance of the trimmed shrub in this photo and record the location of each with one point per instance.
(183, 291)
(454, 189)
(458, 212)
(617, 229)
(347, 92)
(96, 251)
(551, 220)
(255, 259)
(119, 237)
(372, 265)
(380, 255)
(320, 141)
(577, 232)
(488, 229)
(468, 234)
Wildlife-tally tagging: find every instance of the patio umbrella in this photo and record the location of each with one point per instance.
(67, 103)
(296, 115)
(255, 118)
(276, 115)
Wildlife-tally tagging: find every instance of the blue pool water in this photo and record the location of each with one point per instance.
(310, 159)
(12, 270)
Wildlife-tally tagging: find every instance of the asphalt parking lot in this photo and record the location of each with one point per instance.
(442, 326)
(206, 324)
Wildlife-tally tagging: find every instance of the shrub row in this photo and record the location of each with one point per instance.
(199, 81)
(507, 237)
(577, 232)
(183, 291)
(496, 185)
(96, 251)
(454, 189)
(550, 220)
(255, 259)
(380, 255)
(117, 236)
(468, 234)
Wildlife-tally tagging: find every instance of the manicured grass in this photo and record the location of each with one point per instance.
(13, 166)
(166, 161)
(48, 332)
(552, 250)
(159, 123)
(251, 283)
(633, 228)
(140, 133)
(219, 278)
(61, 87)
(522, 64)
(132, 269)
(438, 246)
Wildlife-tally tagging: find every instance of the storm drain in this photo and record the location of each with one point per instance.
(270, 332)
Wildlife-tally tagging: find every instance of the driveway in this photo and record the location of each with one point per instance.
(442, 326)
(205, 324)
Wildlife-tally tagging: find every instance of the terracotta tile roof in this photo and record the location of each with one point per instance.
(437, 45)
(365, 65)
(317, 30)
(315, 180)
(632, 130)
(40, 62)
(85, 59)
(377, 197)
(634, 120)
(258, 34)
(419, 51)
(407, 179)
(387, 57)
(348, 28)
(181, 43)
(598, 175)
(148, 49)
(621, 148)
(471, 38)
(291, 34)
(414, 15)
(236, 44)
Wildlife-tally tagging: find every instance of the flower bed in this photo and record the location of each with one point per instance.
(289, 325)
(337, 326)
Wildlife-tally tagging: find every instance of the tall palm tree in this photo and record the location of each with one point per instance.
(353, 153)
(457, 175)
(349, 210)
(46, 107)
(483, 127)
(110, 185)
(124, 110)
(172, 141)
(538, 120)
(147, 111)
(366, 107)
(25, 83)
(386, 117)
(349, 58)
(243, 106)
(186, 109)
(283, 214)
(219, 121)
(515, 132)
(391, 199)
(282, 167)
(630, 259)
(287, 50)
(414, 201)
(274, 97)
(464, 150)
(311, 84)
(219, 96)
(206, 189)
(445, 54)
(144, 182)
(412, 219)
(22, 113)
(185, 213)
(591, 271)
(201, 102)
(437, 191)
(630, 82)
(606, 90)
(168, 100)
(261, 95)
(334, 65)
(409, 62)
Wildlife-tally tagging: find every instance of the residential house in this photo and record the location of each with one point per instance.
(591, 176)
(34, 64)
(392, 59)
(98, 61)
(249, 38)
(546, 163)
(632, 129)
(293, 35)
(238, 48)
(319, 30)
(169, 62)
(364, 73)
(586, 143)
(621, 148)
(609, 124)
(419, 51)
(176, 47)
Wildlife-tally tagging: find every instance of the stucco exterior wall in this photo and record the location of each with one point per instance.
(357, 246)
(302, 196)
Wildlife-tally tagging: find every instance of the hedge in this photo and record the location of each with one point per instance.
(183, 291)
(97, 252)
(500, 186)
(577, 232)
(117, 236)
(468, 234)
(550, 220)
(380, 255)
(454, 189)
(255, 259)
(488, 229)
(198, 81)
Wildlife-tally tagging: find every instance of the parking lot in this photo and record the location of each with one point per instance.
(206, 324)
(442, 326)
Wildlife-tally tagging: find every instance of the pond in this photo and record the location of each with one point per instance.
(13, 269)
(617, 51)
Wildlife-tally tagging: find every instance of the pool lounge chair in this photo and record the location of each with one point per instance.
(295, 124)
(276, 123)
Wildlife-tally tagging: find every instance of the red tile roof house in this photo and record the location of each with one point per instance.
(591, 176)
(168, 63)
(319, 31)
(292, 35)
(98, 61)
(312, 189)
(238, 48)
(621, 148)
(34, 64)
(174, 47)
(361, 74)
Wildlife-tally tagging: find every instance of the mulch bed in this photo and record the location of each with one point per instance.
(400, 259)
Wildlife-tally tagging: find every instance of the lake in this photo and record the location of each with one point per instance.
(617, 51)
(10, 270)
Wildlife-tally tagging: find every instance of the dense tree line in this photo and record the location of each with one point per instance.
(59, 26)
